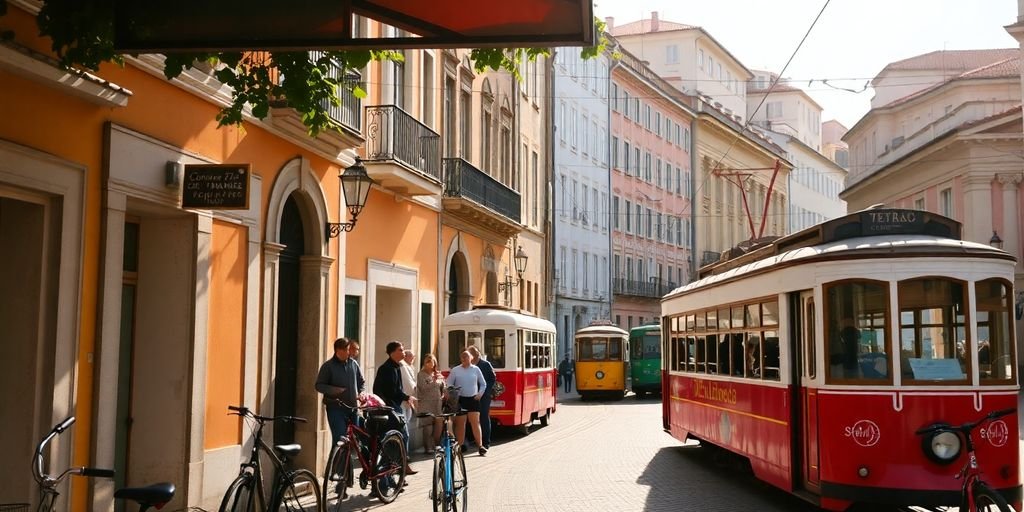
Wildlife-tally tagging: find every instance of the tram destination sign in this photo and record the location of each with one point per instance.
(216, 187)
(892, 222)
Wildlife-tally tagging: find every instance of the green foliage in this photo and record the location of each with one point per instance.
(82, 36)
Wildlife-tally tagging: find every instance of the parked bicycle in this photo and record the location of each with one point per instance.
(156, 495)
(380, 451)
(944, 441)
(449, 491)
(292, 490)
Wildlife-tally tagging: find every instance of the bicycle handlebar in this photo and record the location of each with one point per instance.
(64, 425)
(96, 472)
(241, 410)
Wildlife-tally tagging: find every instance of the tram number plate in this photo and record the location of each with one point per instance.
(497, 403)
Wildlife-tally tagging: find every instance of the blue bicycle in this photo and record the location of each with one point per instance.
(450, 488)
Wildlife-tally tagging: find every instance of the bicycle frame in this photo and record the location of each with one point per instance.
(357, 438)
(254, 465)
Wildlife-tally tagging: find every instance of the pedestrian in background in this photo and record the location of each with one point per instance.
(429, 393)
(565, 369)
(485, 401)
(408, 381)
(388, 385)
(471, 384)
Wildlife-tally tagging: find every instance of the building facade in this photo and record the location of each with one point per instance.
(814, 184)
(832, 145)
(784, 108)
(689, 58)
(651, 191)
(581, 244)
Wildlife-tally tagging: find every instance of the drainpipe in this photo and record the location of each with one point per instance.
(611, 254)
(549, 174)
(694, 127)
(517, 106)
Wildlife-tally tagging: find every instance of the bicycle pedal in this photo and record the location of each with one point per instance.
(363, 481)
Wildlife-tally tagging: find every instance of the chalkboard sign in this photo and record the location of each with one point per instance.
(216, 187)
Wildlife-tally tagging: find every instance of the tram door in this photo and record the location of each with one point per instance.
(805, 371)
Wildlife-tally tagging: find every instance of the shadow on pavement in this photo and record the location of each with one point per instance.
(695, 478)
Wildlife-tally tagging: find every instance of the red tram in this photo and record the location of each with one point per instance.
(818, 356)
(522, 350)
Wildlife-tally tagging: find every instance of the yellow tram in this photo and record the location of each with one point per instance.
(602, 361)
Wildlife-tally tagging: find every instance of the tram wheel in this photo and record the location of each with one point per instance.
(544, 420)
(524, 429)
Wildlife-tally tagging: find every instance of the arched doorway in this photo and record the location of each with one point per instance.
(292, 237)
(459, 298)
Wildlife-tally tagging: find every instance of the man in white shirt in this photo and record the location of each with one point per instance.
(408, 382)
(472, 385)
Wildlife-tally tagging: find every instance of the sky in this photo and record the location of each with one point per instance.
(854, 39)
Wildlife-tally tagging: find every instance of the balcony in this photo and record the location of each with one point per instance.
(476, 197)
(653, 288)
(346, 116)
(402, 154)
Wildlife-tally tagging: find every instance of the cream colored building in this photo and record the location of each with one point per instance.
(951, 148)
(787, 109)
(726, 163)
(832, 145)
(689, 58)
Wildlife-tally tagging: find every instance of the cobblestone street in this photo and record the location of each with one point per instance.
(597, 456)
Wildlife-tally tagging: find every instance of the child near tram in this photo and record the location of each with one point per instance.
(471, 382)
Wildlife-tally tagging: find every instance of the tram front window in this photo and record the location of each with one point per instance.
(995, 331)
(857, 325)
(593, 350)
(933, 334)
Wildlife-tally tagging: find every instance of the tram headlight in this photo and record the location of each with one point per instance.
(942, 446)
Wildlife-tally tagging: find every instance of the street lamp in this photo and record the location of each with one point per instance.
(995, 241)
(520, 263)
(355, 184)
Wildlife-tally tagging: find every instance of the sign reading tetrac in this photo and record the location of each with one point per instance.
(215, 187)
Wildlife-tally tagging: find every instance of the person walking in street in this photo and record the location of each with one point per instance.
(565, 369)
(485, 401)
(429, 394)
(341, 382)
(471, 382)
(388, 386)
(408, 382)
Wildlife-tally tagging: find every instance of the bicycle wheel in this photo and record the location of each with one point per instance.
(987, 500)
(336, 478)
(460, 485)
(298, 491)
(437, 495)
(391, 468)
(241, 495)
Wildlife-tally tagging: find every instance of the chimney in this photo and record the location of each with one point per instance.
(609, 23)
(654, 21)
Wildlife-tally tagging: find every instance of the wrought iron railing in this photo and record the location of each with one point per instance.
(651, 288)
(348, 112)
(461, 179)
(392, 134)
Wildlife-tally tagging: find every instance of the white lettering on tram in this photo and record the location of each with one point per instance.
(997, 433)
(865, 433)
(711, 391)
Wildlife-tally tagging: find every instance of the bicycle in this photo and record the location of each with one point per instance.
(293, 490)
(155, 495)
(449, 490)
(943, 443)
(382, 458)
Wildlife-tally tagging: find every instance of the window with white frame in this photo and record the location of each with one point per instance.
(774, 109)
(946, 202)
(671, 54)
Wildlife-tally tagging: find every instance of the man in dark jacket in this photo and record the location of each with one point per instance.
(341, 382)
(388, 385)
(485, 401)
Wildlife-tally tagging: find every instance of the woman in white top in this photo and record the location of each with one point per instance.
(471, 381)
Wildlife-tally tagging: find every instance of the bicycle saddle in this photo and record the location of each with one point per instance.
(150, 495)
(288, 450)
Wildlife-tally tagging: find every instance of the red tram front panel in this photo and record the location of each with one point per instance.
(526, 393)
(750, 419)
(876, 431)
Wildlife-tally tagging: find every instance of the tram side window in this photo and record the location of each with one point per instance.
(691, 347)
(856, 326)
(995, 331)
(456, 344)
(494, 347)
(752, 355)
(711, 353)
(700, 355)
(771, 356)
(614, 350)
(933, 337)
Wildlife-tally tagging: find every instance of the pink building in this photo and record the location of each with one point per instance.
(651, 189)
